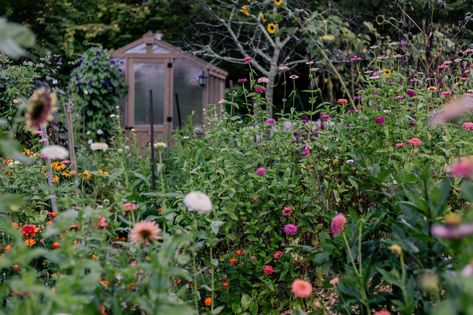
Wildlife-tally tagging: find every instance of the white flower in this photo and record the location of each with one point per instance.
(86, 92)
(112, 115)
(90, 141)
(88, 132)
(99, 146)
(350, 162)
(99, 132)
(158, 145)
(387, 111)
(198, 201)
(55, 152)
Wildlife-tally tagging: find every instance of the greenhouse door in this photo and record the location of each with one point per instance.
(149, 75)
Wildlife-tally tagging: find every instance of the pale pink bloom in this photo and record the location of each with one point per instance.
(268, 269)
(337, 224)
(129, 206)
(247, 59)
(286, 211)
(383, 312)
(463, 78)
(400, 144)
(443, 66)
(301, 289)
(263, 80)
(335, 281)
(468, 51)
(38, 132)
(452, 231)
(144, 232)
(66, 162)
(468, 126)
(415, 142)
(261, 171)
(242, 81)
(447, 62)
(452, 110)
(468, 270)
(43, 140)
(283, 68)
(278, 254)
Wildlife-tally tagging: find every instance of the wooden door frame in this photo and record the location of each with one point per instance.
(166, 127)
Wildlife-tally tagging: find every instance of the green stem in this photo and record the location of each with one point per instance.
(194, 268)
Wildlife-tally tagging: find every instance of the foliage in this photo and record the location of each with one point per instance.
(97, 87)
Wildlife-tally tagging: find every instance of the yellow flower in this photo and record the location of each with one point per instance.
(55, 179)
(328, 38)
(386, 72)
(278, 2)
(271, 28)
(262, 18)
(66, 174)
(27, 152)
(85, 175)
(59, 166)
(102, 172)
(245, 11)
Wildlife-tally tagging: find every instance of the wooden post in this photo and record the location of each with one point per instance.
(70, 138)
(52, 194)
(232, 96)
(178, 107)
(151, 127)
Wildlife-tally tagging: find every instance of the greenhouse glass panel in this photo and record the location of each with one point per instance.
(149, 76)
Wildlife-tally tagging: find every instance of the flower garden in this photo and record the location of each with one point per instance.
(357, 203)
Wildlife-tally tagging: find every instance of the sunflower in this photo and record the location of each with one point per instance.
(387, 72)
(271, 28)
(278, 2)
(41, 107)
(245, 11)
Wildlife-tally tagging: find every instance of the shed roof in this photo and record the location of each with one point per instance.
(151, 45)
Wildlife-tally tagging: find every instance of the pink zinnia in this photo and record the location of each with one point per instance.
(43, 140)
(129, 207)
(400, 145)
(462, 167)
(444, 66)
(356, 59)
(263, 80)
(379, 120)
(261, 171)
(102, 223)
(335, 281)
(144, 232)
(270, 121)
(468, 51)
(337, 224)
(247, 59)
(410, 92)
(286, 211)
(324, 117)
(268, 269)
(399, 98)
(445, 93)
(278, 254)
(468, 126)
(301, 289)
(242, 81)
(38, 132)
(290, 229)
(260, 89)
(452, 231)
(415, 142)
(383, 312)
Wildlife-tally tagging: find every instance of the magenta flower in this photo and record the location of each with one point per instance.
(278, 254)
(356, 59)
(242, 81)
(286, 211)
(463, 78)
(445, 93)
(462, 168)
(324, 117)
(247, 59)
(468, 51)
(306, 151)
(411, 92)
(357, 97)
(268, 269)
(337, 224)
(261, 171)
(443, 66)
(290, 229)
(379, 120)
(468, 126)
(400, 144)
(260, 89)
(270, 121)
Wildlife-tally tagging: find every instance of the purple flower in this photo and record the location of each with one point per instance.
(357, 97)
(261, 171)
(290, 229)
(452, 232)
(402, 42)
(410, 92)
(306, 151)
(305, 119)
(379, 120)
(356, 59)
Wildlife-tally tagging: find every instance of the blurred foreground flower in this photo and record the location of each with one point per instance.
(454, 109)
(301, 289)
(462, 167)
(41, 107)
(55, 152)
(453, 228)
(198, 202)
